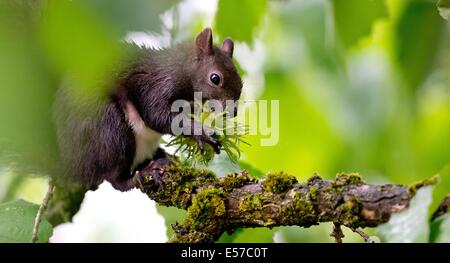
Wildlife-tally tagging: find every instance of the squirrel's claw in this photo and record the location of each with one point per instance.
(216, 146)
(202, 139)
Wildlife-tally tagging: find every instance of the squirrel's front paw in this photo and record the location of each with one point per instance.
(153, 171)
(202, 139)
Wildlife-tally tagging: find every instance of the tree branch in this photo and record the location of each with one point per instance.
(218, 205)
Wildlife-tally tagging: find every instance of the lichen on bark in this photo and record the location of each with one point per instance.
(217, 205)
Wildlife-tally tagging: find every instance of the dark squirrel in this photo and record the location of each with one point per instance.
(113, 141)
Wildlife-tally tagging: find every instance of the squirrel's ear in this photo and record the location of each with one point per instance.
(228, 46)
(204, 41)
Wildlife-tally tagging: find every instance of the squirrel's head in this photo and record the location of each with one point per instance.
(213, 71)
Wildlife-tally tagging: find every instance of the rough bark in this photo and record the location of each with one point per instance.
(217, 205)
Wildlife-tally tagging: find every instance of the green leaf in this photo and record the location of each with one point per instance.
(249, 14)
(227, 238)
(354, 19)
(440, 229)
(444, 8)
(17, 220)
(416, 39)
(171, 216)
(253, 235)
(248, 235)
(412, 224)
(441, 189)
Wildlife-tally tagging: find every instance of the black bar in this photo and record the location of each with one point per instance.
(220, 252)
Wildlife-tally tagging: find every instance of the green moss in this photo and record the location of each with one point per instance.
(208, 204)
(314, 178)
(147, 179)
(178, 173)
(343, 179)
(251, 203)
(278, 182)
(181, 182)
(349, 212)
(313, 192)
(304, 204)
(412, 189)
(300, 209)
(233, 181)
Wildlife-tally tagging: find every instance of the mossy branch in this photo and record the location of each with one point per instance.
(219, 205)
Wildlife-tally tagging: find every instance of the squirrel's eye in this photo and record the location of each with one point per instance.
(215, 79)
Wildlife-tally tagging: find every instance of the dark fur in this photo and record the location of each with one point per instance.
(96, 141)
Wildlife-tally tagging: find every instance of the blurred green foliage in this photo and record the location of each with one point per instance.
(415, 53)
(122, 16)
(96, 47)
(26, 92)
(250, 14)
(364, 12)
(363, 85)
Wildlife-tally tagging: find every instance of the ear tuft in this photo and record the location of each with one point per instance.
(228, 47)
(204, 41)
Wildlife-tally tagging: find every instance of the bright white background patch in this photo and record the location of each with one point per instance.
(108, 215)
